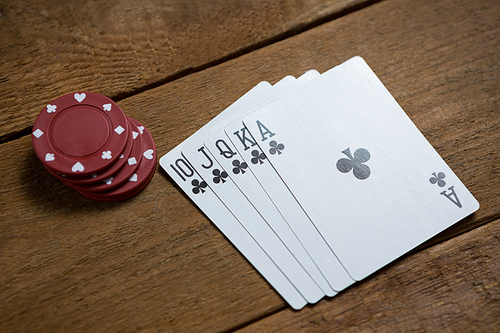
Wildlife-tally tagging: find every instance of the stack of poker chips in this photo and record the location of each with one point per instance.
(86, 141)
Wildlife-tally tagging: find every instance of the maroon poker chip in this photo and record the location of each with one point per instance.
(86, 141)
(105, 174)
(124, 197)
(122, 175)
(80, 134)
(140, 179)
(98, 178)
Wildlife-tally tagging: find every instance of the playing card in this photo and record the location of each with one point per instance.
(252, 221)
(363, 173)
(191, 183)
(224, 152)
(216, 178)
(285, 202)
(194, 186)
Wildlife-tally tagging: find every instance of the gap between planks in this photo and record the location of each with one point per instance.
(188, 71)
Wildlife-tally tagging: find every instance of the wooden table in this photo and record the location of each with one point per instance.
(155, 263)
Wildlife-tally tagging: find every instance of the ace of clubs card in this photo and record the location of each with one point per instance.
(361, 170)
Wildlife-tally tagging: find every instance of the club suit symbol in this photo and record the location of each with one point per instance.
(355, 163)
(438, 179)
(239, 167)
(219, 176)
(198, 186)
(258, 157)
(276, 147)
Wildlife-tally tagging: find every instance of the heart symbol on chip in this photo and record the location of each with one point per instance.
(148, 154)
(77, 167)
(133, 178)
(135, 134)
(107, 107)
(49, 157)
(80, 97)
(141, 129)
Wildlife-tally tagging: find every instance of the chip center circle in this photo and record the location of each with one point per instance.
(80, 131)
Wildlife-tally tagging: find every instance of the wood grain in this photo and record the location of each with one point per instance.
(156, 263)
(452, 287)
(49, 48)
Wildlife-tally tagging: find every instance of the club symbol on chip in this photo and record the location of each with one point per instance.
(219, 176)
(106, 155)
(239, 166)
(258, 157)
(198, 186)
(438, 179)
(360, 170)
(51, 108)
(276, 147)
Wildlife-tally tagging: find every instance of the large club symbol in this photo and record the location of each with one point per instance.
(198, 186)
(359, 170)
(239, 166)
(258, 157)
(219, 176)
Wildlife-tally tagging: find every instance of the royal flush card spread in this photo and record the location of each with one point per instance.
(319, 181)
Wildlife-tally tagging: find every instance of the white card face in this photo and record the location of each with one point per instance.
(367, 178)
(251, 220)
(285, 202)
(223, 150)
(190, 182)
(186, 177)
(248, 216)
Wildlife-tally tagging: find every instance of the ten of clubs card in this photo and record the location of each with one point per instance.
(331, 169)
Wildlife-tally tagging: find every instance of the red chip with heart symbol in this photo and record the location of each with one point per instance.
(87, 142)
(80, 134)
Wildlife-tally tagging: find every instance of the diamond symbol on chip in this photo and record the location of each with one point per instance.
(37, 133)
(49, 157)
(107, 107)
(119, 130)
(132, 161)
(106, 155)
(51, 108)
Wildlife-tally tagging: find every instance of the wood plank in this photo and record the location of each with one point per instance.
(49, 48)
(154, 262)
(451, 287)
